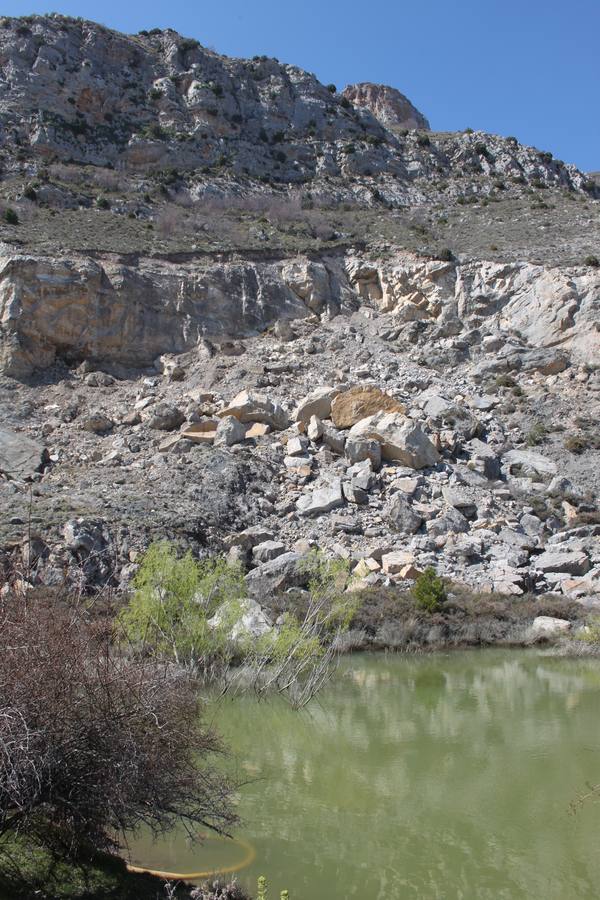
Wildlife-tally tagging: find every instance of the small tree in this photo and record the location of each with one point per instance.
(94, 745)
(173, 600)
(429, 591)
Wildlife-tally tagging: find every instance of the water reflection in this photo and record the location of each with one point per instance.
(447, 776)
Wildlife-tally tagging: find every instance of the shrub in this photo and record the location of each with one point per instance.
(446, 255)
(536, 435)
(173, 600)
(102, 203)
(332, 88)
(10, 216)
(423, 140)
(188, 44)
(592, 261)
(429, 591)
(345, 103)
(93, 744)
(30, 193)
(505, 381)
(577, 444)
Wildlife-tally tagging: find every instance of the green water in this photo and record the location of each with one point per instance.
(446, 776)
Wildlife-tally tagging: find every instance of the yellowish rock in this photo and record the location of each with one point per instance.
(358, 403)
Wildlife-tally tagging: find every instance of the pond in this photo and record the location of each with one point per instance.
(442, 776)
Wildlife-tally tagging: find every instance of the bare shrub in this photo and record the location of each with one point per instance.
(170, 220)
(94, 745)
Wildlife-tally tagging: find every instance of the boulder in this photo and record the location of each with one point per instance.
(251, 407)
(571, 562)
(249, 537)
(401, 439)
(393, 563)
(20, 457)
(358, 449)
(334, 439)
(241, 619)
(357, 403)
(322, 500)
(165, 417)
(97, 423)
(528, 463)
(548, 626)
(317, 403)
(267, 550)
(400, 515)
(229, 431)
(287, 570)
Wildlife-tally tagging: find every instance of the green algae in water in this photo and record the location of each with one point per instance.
(442, 776)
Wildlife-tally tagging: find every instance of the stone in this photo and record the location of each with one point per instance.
(358, 449)
(253, 407)
(287, 570)
(528, 462)
(171, 368)
(296, 446)
(314, 429)
(483, 459)
(548, 627)
(257, 430)
(249, 537)
(318, 404)
(401, 439)
(334, 439)
(393, 563)
(322, 500)
(267, 550)
(165, 417)
(407, 485)
(242, 619)
(572, 562)
(97, 423)
(451, 521)
(355, 494)
(401, 517)
(229, 431)
(99, 379)
(21, 458)
(357, 403)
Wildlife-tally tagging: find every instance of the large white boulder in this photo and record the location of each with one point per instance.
(401, 439)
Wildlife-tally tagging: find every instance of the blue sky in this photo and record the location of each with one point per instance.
(529, 68)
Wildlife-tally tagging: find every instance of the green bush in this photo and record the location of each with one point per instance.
(429, 591)
(102, 203)
(332, 88)
(10, 216)
(175, 597)
(536, 435)
(592, 261)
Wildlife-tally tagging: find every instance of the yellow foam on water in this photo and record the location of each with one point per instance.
(249, 857)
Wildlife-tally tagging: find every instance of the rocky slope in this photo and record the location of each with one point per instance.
(220, 324)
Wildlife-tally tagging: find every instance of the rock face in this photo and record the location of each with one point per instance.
(232, 313)
(388, 105)
(79, 309)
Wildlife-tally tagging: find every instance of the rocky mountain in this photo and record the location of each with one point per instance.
(388, 105)
(253, 314)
